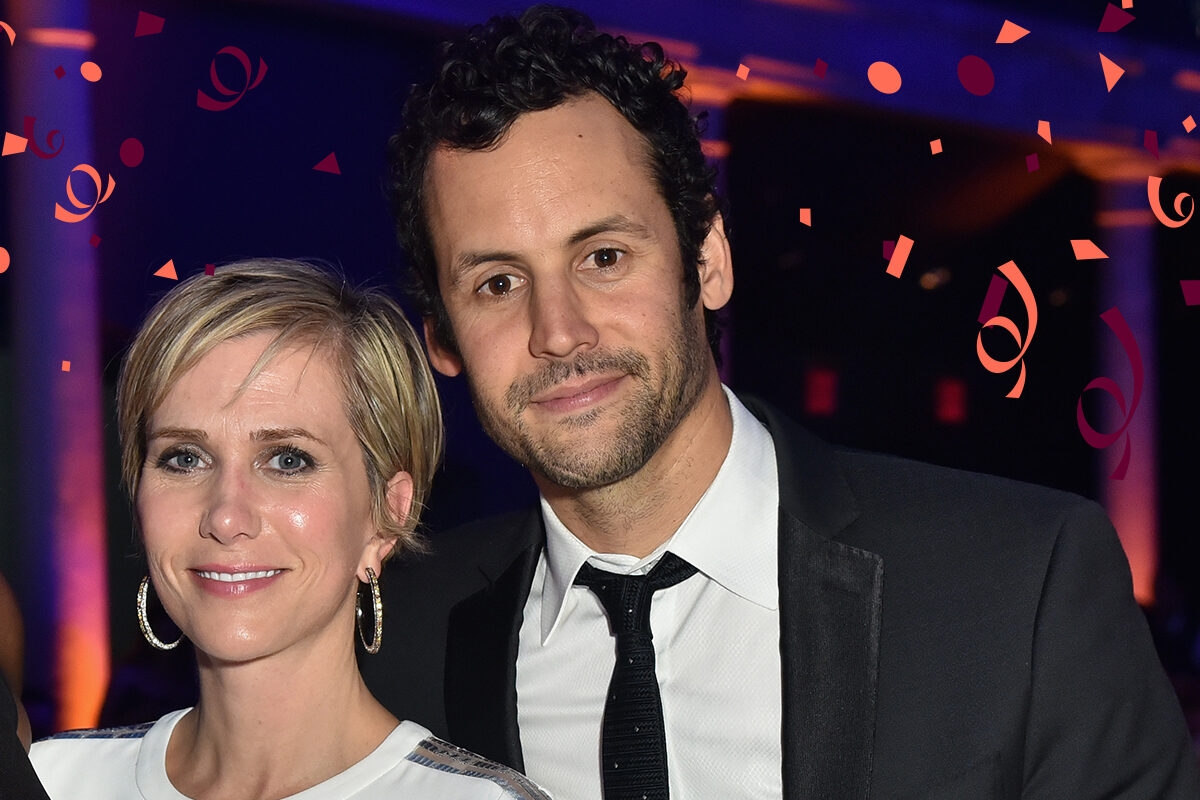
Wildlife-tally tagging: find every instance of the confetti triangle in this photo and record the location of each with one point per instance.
(167, 270)
(806, 217)
(1044, 130)
(1112, 72)
(1010, 32)
(14, 144)
(1086, 250)
(1191, 292)
(148, 24)
(1114, 19)
(1150, 142)
(329, 164)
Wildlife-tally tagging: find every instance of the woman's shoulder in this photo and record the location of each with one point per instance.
(431, 759)
(102, 759)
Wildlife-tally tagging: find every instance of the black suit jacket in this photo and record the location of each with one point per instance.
(17, 778)
(943, 635)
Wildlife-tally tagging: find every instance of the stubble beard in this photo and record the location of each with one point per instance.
(566, 455)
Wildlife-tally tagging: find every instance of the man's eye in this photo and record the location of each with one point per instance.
(606, 257)
(289, 461)
(498, 285)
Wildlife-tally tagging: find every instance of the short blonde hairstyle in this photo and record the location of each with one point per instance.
(390, 398)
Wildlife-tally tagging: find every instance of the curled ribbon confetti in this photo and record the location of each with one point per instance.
(1098, 440)
(1153, 185)
(212, 104)
(102, 194)
(33, 145)
(1013, 273)
(12, 35)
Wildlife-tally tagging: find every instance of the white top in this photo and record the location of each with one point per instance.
(130, 764)
(716, 642)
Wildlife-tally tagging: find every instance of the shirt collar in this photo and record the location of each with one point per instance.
(730, 535)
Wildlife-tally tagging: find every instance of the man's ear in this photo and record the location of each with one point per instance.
(442, 358)
(716, 267)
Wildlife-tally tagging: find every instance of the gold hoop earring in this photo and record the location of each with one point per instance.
(377, 606)
(144, 618)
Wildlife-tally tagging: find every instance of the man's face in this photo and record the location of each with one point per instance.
(560, 270)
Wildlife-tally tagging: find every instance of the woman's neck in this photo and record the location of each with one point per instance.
(276, 726)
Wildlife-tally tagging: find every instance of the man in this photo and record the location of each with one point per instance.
(856, 626)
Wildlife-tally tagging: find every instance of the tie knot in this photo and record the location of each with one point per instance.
(626, 598)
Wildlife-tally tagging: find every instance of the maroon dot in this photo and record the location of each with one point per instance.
(59, 72)
(976, 75)
(132, 152)
(94, 241)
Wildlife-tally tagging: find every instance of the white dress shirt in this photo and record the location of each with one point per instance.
(716, 643)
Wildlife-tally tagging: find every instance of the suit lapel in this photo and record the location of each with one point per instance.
(481, 658)
(830, 608)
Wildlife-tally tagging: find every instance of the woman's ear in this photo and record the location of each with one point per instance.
(399, 503)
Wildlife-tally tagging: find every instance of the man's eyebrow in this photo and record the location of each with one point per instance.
(616, 223)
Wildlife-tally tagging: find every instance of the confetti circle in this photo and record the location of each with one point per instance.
(132, 152)
(90, 71)
(884, 77)
(976, 75)
(4, 260)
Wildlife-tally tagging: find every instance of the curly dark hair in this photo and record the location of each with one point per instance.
(511, 66)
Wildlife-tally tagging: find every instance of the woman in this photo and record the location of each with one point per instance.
(279, 432)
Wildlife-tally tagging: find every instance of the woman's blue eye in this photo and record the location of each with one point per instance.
(180, 460)
(289, 461)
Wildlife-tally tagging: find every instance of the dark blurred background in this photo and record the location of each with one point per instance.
(817, 326)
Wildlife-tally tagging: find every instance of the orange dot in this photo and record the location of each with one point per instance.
(884, 77)
(90, 71)
(4, 260)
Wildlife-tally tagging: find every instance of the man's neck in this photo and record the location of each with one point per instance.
(635, 515)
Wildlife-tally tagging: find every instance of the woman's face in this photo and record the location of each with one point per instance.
(255, 507)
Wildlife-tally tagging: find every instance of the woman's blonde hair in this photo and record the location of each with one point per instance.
(390, 398)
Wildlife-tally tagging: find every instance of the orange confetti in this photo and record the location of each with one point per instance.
(66, 366)
(1044, 130)
(1010, 32)
(743, 72)
(1189, 124)
(935, 146)
(884, 77)
(1153, 185)
(5, 260)
(1011, 271)
(12, 35)
(896, 263)
(14, 144)
(62, 214)
(1127, 4)
(806, 217)
(167, 270)
(1086, 250)
(1112, 72)
(90, 71)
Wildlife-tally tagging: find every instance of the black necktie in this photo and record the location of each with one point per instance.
(633, 746)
